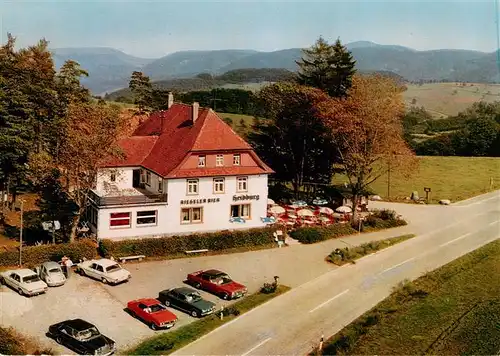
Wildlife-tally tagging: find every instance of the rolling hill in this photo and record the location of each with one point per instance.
(111, 69)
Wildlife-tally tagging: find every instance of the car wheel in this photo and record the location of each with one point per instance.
(20, 291)
(2, 281)
(197, 285)
(225, 296)
(104, 280)
(58, 340)
(167, 303)
(194, 314)
(153, 326)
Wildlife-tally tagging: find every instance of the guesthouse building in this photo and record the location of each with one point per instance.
(183, 170)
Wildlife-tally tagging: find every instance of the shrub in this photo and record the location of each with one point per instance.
(269, 288)
(172, 245)
(35, 255)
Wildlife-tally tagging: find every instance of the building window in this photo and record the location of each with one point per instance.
(147, 217)
(119, 220)
(219, 160)
(192, 186)
(242, 184)
(113, 177)
(143, 176)
(191, 215)
(160, 185)
(219, 185)
(240, 211)
(148, 178)
(201, 161)
(236, 159)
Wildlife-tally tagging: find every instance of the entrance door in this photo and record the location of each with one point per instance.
(136, 178)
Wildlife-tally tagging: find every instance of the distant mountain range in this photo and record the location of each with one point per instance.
(110, 69)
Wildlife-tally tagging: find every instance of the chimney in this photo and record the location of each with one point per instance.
(170, 101)
(196, 108)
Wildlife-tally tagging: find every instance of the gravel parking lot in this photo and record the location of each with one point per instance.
(103, 305)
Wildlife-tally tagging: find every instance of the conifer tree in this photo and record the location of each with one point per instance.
(327, 67)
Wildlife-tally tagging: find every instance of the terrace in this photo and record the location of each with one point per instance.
(131, 196)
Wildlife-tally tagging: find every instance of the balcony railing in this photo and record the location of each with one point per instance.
(140, 199)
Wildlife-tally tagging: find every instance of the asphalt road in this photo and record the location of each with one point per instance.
(293, 323)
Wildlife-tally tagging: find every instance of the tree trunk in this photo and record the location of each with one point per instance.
(14, 197)
(355, 217)
(74, 225)
(296, 189)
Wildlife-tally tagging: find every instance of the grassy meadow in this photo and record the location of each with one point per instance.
(454, 178)
(236, 120)
(454, 310)
(448, 99)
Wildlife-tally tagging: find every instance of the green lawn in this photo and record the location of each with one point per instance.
(454, 178)
(454, 310)
(236, 122)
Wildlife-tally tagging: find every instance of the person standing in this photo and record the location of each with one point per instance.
(63, 265)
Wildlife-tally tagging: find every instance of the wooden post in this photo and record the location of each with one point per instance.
(321, 343)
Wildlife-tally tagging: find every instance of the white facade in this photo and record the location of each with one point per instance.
(190, 205)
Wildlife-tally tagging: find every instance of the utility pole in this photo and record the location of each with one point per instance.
(21, 236)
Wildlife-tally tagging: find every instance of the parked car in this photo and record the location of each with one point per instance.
(152, 312)
(105, 270)
(24, 281)
(82, 337)
(218, 283)
(187, 300)
(51, 273)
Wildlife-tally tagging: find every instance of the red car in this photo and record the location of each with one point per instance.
(152, 312)
(218, 283)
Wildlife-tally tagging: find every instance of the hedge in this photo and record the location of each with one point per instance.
(35, 255)
(380, 219)
(172, 245)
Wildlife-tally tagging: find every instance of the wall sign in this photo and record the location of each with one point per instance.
(200, 201)
(245, 197)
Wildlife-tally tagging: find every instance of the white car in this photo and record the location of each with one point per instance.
(52, 274)
(24, 281)
(107, 271)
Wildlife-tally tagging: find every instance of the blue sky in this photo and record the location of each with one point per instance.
(156, 28)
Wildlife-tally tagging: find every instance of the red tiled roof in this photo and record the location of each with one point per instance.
(133, 151)
(216, 135)
(161, 143)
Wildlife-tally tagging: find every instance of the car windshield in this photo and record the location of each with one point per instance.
(223, 279)
(157, 308)
(31, 279)
(113, 268)
(191, 297)
(87, 334)
(54, 270)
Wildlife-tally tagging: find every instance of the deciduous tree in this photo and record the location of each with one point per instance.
(367, 132)
(290, 135)
(89, 138)
(327, 67)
